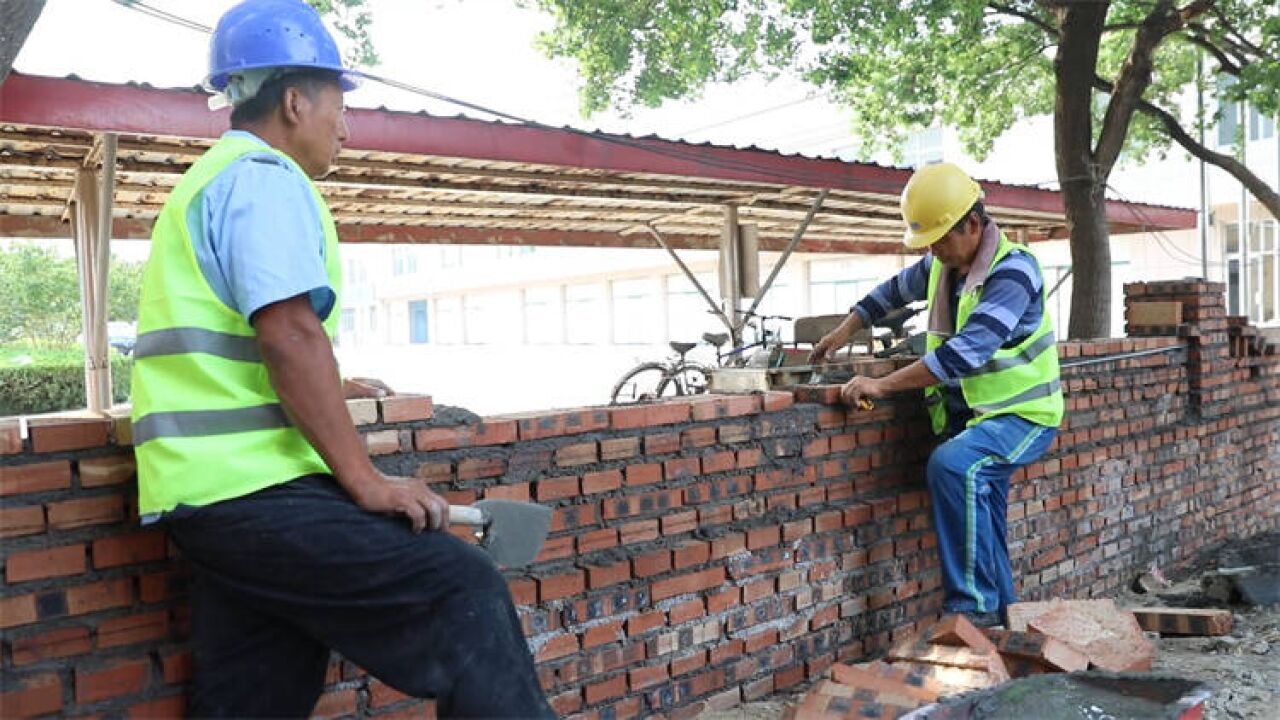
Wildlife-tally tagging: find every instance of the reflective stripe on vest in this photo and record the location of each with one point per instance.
(1023, 380)
(207, 424)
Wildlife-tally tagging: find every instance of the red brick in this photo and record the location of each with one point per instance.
(126, 678)
(518, 492)
(603, 576)
(619, 448)
(686, 611)
(602, 634)
(775, 400)
(82, 512)
(35, 477)
(677, 468)
(31, 696)
(638, 532)
(109, 470)
(129, 549)
(45, 563)
(171, 706)
(644, 622)
(10, 437)
(566, 703)
(661, 443)
(406, 408)
(1046, 652)
(561, 586)
(382, 442)
(1184, 621)
(919, 651)
(599, 482)
(1111, 638)
(18, 521)
(649, 415)
(957, 631)
(524, 591)
(17, 610)
(336, 703)
(578, 454)
(654, 563)
(496, 432)
(556, 647)
(644, 474)
(176, 667)
(692, 582)
(61, 643)
(61, 435)
(436, 472)
(132, 629)
(474, 468)
(555, 548)
(99, 596)
(597, 692)
(691, 553)
(597, 540)
(641, 678)
(680, 522)
(698, 437)
(555, 488)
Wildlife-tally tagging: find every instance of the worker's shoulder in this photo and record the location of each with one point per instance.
(1019, 264)
(260, 172)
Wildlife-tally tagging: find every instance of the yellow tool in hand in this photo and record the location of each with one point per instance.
(866, 404)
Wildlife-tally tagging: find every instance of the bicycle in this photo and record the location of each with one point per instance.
(677, 376)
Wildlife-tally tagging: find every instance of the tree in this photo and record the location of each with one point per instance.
(1110, 72)
(40, 295)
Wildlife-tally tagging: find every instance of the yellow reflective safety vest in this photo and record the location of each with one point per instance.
(1023, 380)
(207, 424)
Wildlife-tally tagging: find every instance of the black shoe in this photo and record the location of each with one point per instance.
(993, 619)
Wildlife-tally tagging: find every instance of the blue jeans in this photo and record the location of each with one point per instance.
(969, 487)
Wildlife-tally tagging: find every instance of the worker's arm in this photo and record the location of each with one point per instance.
(909, 285)
(304, 373)
(912, 377)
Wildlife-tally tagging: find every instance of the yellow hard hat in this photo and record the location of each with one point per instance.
(934, 200)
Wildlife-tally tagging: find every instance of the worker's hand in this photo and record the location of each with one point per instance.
(353, 388)
(860, 390)
(823, 349)
(407, 497)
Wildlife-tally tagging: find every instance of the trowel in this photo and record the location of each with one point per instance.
(511, 532)
(828, 373)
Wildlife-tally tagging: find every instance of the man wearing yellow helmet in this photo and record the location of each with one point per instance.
(990, 376)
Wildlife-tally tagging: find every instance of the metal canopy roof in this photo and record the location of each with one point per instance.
(416, 178)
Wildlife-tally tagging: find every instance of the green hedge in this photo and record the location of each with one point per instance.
(53, 381)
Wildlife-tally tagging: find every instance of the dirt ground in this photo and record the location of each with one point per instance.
(1242, 669)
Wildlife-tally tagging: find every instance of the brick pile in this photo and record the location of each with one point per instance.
(703, 553)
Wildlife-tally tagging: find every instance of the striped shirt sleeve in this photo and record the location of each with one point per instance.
(1011, 291)
(907, 286)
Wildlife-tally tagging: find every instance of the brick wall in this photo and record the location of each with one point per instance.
(703, 553)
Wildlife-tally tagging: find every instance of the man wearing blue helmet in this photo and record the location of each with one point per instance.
(245, 448)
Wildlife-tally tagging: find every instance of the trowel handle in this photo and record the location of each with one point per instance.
(465, 515)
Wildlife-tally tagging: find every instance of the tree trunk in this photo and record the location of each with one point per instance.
(17, 17)
(1083, 186)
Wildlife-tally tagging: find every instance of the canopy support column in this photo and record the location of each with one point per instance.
(91, 230)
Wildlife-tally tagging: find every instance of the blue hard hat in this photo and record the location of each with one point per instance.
(272, 33)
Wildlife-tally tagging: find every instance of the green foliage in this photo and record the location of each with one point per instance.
(40, 295)
(352, 19)
(48, 380)
(896, 64)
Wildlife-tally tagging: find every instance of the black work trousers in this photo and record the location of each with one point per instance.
(286, 573)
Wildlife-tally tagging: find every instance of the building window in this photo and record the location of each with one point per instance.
(835, 285)
(637, 313)
(688, 315)
(449, 321)
(584, 314)
(418, 322)
(1228, 113)
(1261, 126)
(347, 326)
(923, 148)
(543, 316)
(1261, 271)
(404, 260)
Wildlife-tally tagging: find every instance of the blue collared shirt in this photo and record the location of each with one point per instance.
(257, 235)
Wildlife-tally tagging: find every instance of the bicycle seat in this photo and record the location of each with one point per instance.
(682, 347)
(716, 339)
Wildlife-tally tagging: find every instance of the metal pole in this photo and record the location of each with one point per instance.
(791, 246)
(1246, 299)
(1204, 179)
(715, 307)
(731, 271)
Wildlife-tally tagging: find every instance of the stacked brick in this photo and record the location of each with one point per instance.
(703, 553)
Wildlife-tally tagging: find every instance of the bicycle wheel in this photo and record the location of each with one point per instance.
(687, 379)
(642, 382)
